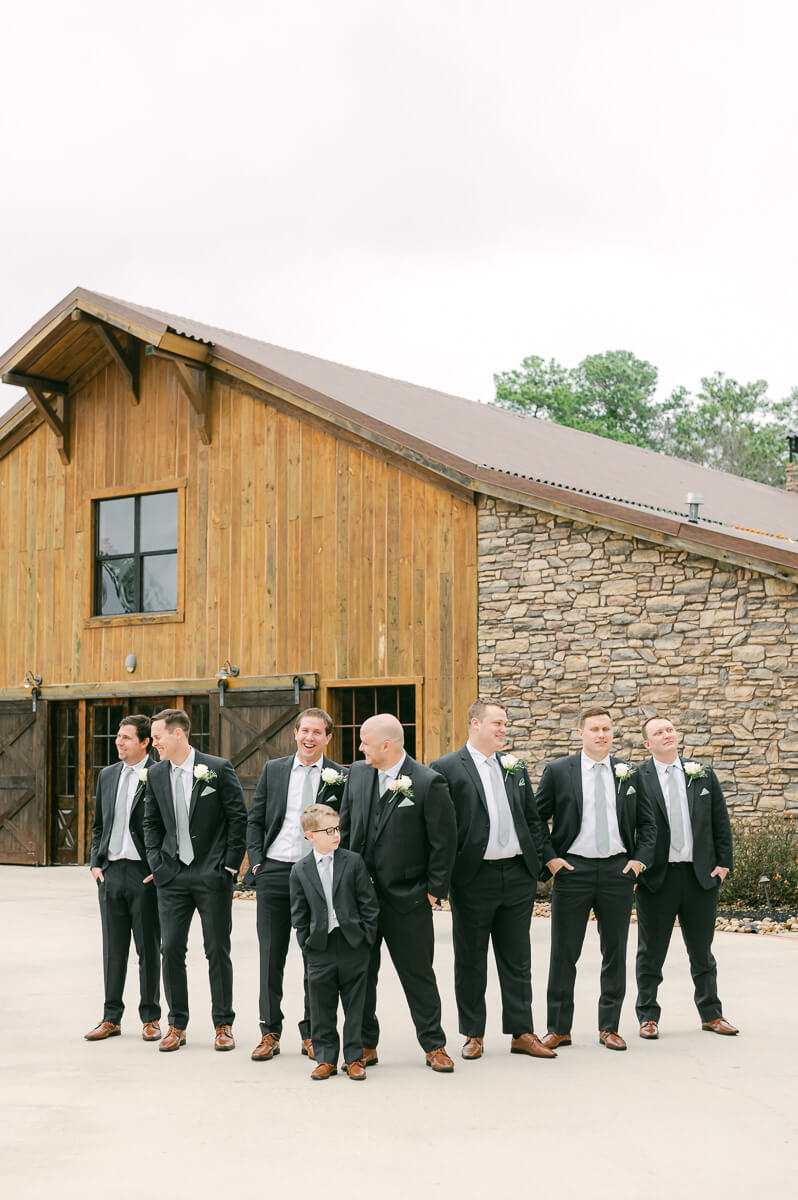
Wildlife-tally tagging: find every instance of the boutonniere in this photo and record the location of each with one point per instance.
(623, 770)
(695, 770)
(510, 764)
(142, 775)
(202, 771)
(331, 778)
(401, 786)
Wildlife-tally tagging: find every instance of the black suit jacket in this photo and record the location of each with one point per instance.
(473, 823)
(217, 819)
(559, 799)
(104, 807)
(709, 819)
(354, 901)
(269, 803)
(415, 843)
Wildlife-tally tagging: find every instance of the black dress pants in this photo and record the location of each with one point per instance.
(127, 905)
(410, 939)
(597, 883)
(680, 896)
(338, 971)
(274, 937)
(208, 891)
(495, 906)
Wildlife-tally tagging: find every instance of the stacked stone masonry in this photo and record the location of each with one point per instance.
(571, 613)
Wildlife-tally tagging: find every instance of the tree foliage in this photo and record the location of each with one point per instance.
(727, 425)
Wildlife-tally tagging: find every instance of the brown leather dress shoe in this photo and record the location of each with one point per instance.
(151, 1031)
(175, 1038)
(268, 1047)
(439, 1060)
(224, 1039)
(102, 1031)
(369, 1057)
(530, 1043)
(613, 1041)
(649, 1030)
(472, 1048)
(553, 1041)
(720, 1025)
(307, 1048)
(324, 1071)
(355, 1070)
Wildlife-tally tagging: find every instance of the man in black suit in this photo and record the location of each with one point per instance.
(194, 829)
(128, 899)
(605, 827)
(693, 856)
(275, 842)
(334, 908)
(398, 815)
(501, 843)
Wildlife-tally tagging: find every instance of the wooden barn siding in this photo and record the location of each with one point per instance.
(305, 550)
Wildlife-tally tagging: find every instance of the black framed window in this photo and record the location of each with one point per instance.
(135, 556)
(350, 706)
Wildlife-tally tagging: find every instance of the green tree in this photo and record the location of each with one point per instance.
(609, 394)
(732, 427)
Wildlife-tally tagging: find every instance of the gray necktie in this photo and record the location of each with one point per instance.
(120, 813)
(675, 810)
(325, 874)
(307, 799)
(383, 779)
(500, 797)
(185, 850)
(602, 824)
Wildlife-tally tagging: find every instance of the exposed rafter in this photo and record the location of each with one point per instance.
(126, 358)
(194, 381)
(48, 395)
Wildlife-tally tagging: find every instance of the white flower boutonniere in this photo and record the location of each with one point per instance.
(331, 777)
(510, 764)
(695, 770)
(401, 786)
(622, 771)
(202, 771)
(142, 775)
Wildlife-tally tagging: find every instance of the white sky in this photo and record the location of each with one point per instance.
(431, 190)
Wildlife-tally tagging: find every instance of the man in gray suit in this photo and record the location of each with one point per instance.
(128, 899)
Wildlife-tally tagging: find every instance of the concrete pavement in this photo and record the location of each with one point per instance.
(690, 1115)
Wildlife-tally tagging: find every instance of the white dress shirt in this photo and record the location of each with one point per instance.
(333, 920)
(494, 850)
(289, 843)
(128, 845)
(686, 852)
(585, 843)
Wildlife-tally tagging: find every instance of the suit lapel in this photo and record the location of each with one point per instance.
(576, 783)
(690, 785)
(339, 867)
(393, 801)
(312, 871)
(109, 793)
(471, 771)
(195, 789)
(282, 782)
(656, 790)
(140, 786)
(620, 795)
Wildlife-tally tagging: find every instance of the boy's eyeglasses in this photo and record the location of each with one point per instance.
(333, 829)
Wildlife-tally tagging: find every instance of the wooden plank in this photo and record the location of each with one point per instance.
(194, 382)
(340, 629)
(54, 387)
(309, 681)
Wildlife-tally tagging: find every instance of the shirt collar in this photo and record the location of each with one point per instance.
(394, 771)
(662, 767)
(187, 764)
(478, 756)
(297, 764)
(588, 762)
(322, 857)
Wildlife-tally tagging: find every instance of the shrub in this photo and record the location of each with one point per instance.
(767, 847)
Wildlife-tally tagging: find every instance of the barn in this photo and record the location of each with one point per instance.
(193, 517)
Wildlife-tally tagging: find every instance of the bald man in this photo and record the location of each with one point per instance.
(398, 815)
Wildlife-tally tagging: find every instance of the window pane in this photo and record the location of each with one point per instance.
(158, 522)
(116, 526)
(386, 700)
(407, 705)
(364, 704)
(159, 583)
(118, 587)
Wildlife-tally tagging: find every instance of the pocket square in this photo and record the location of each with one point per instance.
(630, 791)
(209, 791)
(704, 792)
(406, 800)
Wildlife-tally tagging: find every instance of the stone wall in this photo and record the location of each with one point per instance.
(570, 613)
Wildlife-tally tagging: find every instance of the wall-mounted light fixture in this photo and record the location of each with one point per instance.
(694, 501)
(130, 663)
(34, 682)
(225, 672)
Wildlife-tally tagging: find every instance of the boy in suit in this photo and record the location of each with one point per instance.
(334, 910)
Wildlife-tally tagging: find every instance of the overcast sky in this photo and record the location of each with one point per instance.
(431, 190)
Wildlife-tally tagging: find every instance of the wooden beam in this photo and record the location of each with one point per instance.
(125, 358)
(55, 387)
(58, 424)
(197, 393)
(166, 687)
